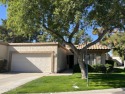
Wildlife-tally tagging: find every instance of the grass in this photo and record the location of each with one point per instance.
(66, 83)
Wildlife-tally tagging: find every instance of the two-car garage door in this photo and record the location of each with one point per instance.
(31, 62)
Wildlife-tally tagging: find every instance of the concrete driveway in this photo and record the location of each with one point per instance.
(10, 81)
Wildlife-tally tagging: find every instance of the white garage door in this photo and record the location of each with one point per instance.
(30, 62)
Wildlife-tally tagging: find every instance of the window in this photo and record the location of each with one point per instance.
(98, 58)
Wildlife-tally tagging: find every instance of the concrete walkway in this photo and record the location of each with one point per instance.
(12, 80)
(104, 91)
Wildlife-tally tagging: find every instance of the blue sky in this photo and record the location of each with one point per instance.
(3, 13)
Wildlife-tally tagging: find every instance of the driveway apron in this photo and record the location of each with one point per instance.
(12, 80)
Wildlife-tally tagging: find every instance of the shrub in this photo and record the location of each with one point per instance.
(118, 70)
(100, 68)
(111, 62)
(76, 68)
(90, 68)
(109, 68)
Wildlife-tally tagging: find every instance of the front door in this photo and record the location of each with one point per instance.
(70, 61)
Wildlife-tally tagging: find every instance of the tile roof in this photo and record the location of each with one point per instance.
(97, 46)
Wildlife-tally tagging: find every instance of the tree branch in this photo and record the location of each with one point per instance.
(97, 40)
(75, 50)
(54, 33)
(68, 43)
(74, 31)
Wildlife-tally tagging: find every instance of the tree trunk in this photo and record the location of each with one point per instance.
(82, 66)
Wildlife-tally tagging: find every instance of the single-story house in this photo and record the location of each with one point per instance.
(45, 57)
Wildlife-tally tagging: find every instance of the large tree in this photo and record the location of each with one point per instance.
(8, 35)
(65, 18)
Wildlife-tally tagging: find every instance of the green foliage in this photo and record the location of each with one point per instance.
(3, 1)
(76, 68)
(58, 16)
(117, 42)
(98, 68)
(47, 37)
(8, 35)
(108, 67)
(111, 62)
(78, 38)
(113, 11)
(119, 70)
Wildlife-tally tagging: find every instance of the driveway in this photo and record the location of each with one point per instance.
(10, 81)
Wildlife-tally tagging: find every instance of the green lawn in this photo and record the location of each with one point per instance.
(66, 83)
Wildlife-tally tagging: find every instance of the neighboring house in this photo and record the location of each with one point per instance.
(118, 60)
(45, 57)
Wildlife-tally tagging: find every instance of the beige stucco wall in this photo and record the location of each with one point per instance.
(38, 48)
(3, 51)
(62, 59)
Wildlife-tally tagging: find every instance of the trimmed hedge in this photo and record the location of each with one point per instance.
(98, 68)
(3, 64)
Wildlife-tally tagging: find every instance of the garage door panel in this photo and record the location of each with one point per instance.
(31, 62)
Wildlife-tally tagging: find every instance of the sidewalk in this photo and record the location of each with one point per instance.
(104, 91)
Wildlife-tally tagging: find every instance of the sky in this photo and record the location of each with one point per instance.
(3, 15)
